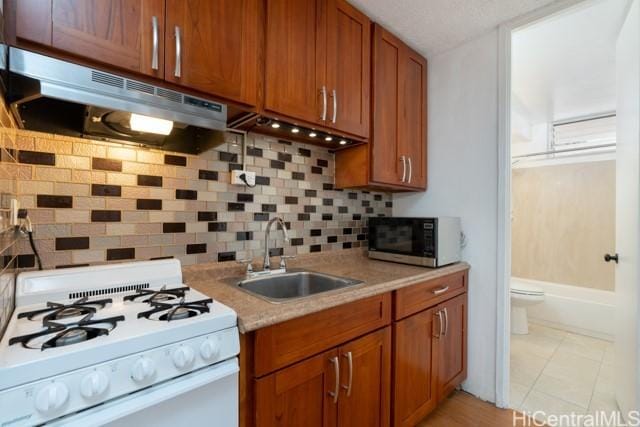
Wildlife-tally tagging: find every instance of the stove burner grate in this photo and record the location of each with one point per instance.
(62, 334)
(151, 296)
(57, 311)
(181, 310)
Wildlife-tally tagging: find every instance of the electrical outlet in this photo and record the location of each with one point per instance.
(14, 207)
(250, 178)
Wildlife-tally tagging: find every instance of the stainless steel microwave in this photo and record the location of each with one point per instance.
(428, 242)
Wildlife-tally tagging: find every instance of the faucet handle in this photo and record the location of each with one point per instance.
(283, 260)
(248, 262)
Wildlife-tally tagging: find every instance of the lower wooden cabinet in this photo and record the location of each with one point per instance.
(430, 350)
(356, 364)
(299, 395)
(346, 386)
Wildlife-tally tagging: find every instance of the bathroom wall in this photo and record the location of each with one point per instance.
(563, 223)
(94, 202)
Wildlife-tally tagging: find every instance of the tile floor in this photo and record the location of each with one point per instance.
(560, 372)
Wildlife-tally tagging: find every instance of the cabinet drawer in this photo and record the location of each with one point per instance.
(413, 299)
(281, 345)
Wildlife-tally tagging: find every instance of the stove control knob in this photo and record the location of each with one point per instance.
(51, 397)
(209, 349)
(143, 369)
(94, 384)
(183, 357)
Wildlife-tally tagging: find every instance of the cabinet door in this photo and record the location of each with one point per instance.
(348, 68)
(415, 387)
(117, 32)
(300, 395)
(412, 132)
(452, 345)
(217, 48)
(365, 377)
(386, 164)
(295, 59)
(33, 21)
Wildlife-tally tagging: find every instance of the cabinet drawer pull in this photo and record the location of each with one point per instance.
(440, 324)
(446, 322)
(440, 291)
(178, 70)
(336, 366)
(335, 106)
(404, 167)
(323, 91)
(154, 52)
(347, 387)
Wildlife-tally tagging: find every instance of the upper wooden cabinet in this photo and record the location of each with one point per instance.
(208, 46)
(213, 47)
(126, 33)
(396, 156)
(348, 68)
(294, 55)
(318, 64)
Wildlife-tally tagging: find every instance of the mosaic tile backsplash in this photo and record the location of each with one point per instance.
(8, 236)
(95, 202)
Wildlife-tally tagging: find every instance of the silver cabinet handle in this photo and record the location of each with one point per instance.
(336, 366)
(335, 106)
(347, 387)
(440, 323)
(178, 70)
(404, 167)
(154, 54)
(440, 291)
(410, 170)
(446, 321)
(323, 116)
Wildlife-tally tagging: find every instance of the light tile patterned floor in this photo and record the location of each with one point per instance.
(560, 372)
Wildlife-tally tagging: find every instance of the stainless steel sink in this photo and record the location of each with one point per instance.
(295, 284)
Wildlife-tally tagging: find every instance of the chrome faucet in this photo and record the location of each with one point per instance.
(267, 261)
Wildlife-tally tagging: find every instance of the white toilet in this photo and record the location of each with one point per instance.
(523, 295)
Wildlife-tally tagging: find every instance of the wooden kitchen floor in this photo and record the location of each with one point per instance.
(465, 410)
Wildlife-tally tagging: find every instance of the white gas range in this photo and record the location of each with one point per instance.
(117, 345)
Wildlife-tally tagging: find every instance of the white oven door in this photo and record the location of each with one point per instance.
(207, 397)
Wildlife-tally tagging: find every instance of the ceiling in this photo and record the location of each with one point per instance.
(564, 67)
(434, 26)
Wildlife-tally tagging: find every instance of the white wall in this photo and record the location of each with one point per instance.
(463, 181)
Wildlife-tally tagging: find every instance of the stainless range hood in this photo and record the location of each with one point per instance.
(50, 95)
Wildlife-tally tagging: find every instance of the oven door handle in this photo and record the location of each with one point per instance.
(119, 408)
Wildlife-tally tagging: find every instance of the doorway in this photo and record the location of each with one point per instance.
(559, 157)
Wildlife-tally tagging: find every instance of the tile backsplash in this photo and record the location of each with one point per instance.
(94, 202)
(8, 237)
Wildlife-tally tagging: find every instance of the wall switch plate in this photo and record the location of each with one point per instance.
(250, 178)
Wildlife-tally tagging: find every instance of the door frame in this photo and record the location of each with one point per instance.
(503, 321)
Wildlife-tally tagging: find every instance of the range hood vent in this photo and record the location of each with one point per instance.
(50, 95)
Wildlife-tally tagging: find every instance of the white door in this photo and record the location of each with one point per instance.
(628, 212)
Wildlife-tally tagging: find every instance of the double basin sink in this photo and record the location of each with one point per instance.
(293, 284)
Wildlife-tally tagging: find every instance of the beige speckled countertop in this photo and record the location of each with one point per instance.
(255, 313)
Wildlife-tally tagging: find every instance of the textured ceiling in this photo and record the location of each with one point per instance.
(433, 26)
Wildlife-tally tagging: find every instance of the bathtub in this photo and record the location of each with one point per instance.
(581, 310)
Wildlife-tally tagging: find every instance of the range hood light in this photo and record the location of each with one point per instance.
(140, 123)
